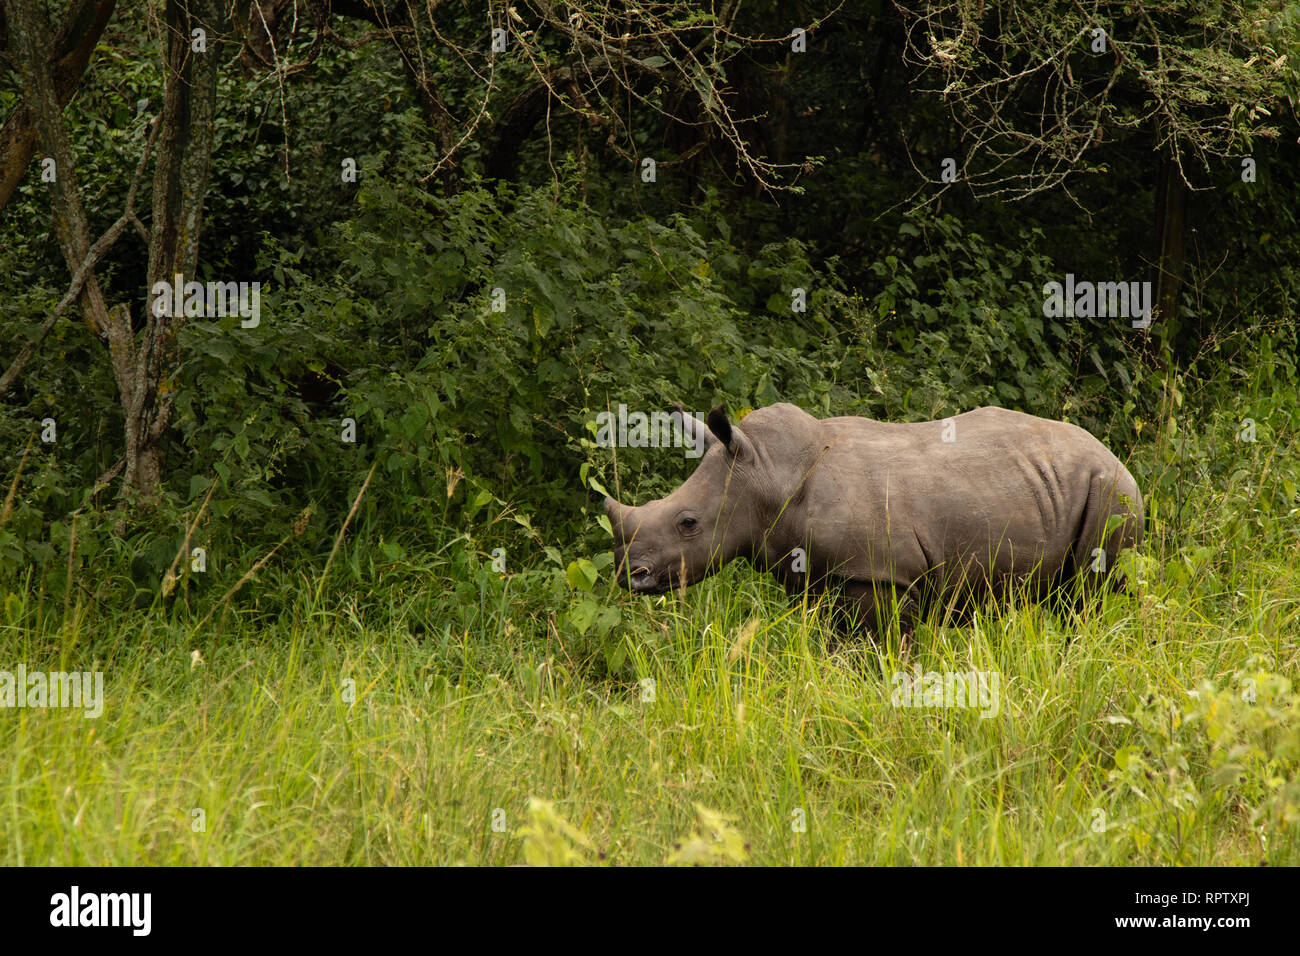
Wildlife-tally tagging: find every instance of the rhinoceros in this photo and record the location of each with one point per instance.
(885, 516)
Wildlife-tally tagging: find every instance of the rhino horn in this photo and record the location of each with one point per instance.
(616, 513)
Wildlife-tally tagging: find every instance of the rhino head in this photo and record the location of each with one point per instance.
(710, 520)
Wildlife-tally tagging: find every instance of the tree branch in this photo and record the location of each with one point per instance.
(88, 264)
(72, 51)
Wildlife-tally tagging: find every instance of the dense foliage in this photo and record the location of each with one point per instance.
(416, 410)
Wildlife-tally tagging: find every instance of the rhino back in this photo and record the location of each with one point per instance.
(1010, 493)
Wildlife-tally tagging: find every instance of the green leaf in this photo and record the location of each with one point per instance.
(615, 655)
(582, 575)
(607, 620)
(583, 614)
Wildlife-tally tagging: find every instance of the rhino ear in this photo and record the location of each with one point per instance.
(719, 425)
(695, 433)
(737, 442)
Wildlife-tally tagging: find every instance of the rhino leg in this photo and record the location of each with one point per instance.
(871, 606)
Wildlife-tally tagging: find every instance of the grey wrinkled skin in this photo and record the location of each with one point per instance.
(889, 516)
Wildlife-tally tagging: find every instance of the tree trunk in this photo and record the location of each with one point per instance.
(179, 187)
(72, 49)
(142, 369)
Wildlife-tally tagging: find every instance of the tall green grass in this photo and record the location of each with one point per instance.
(399, 703)
(396, 728)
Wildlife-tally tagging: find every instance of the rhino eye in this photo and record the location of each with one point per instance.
(687, 523)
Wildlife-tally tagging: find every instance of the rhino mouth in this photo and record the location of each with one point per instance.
(643, 580)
